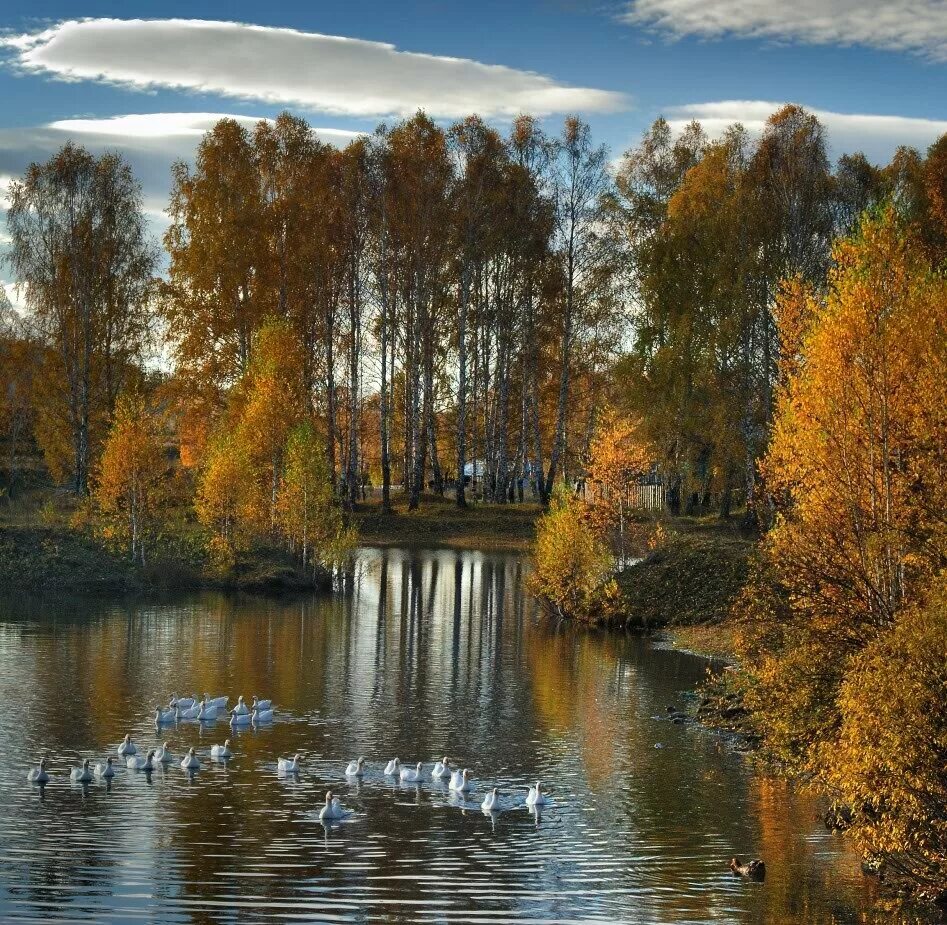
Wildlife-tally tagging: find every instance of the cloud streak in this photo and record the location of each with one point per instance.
(324, 73)
(915, 26)
(878, 136)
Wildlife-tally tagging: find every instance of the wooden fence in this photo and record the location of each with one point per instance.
(646, 497)
(636, 497)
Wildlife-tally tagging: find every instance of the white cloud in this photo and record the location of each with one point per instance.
(323, 73)
(149, 125)
(917, 26)
(15, 294)
(877, 136)
(175, 125)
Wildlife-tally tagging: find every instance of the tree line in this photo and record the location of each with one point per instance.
(457, 299)
(792, 337)
(714, 229)
(440, 284)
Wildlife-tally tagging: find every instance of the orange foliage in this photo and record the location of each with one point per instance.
(619, 454)
(846, 651)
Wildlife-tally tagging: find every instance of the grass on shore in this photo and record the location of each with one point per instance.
(438, 522)
(690, 580)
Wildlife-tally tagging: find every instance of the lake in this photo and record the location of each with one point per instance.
(423, 654)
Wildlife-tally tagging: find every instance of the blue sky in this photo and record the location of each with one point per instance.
(876, 72)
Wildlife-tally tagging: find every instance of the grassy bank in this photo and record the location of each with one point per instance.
(60, 559)
(49, 543)
(440, 523)
(687, 585)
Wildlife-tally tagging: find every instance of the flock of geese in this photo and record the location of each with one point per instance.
(210, 709)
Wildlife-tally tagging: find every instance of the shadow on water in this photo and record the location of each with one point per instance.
(424, 654)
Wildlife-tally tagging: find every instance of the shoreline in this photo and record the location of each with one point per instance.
(62, 560)
(439, 524)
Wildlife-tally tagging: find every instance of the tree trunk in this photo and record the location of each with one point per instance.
(355, 351)
(559, 437)
(331, 412)
(461, 494)
(385, 411)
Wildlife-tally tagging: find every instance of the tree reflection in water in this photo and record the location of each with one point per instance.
(420, 655)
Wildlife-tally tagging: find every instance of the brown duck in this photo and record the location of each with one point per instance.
(752, 870)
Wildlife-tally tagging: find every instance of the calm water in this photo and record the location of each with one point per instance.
(426, 654)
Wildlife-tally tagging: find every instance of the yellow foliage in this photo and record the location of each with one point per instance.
(223, 501)
(268, 405)
(132, 472)
(308, 515)
(573, 567)
(845, 643)
(619, 455)
(859, 437)
(888, 765)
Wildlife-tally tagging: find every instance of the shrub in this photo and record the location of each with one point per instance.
(573, 568)
(889, 767)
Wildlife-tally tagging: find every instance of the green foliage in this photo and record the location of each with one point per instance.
(308, 515)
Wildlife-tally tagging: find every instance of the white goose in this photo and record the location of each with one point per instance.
(82, 775)
(536, 797)
(191, 713)
(261, 704)
(163, 754)
(411, 775)
(241, 719)
(190, 761)
(221, 752)
(289, 766)
(39, 775)
(333, 809)
(355, 768)
(393, 768)
(127, 747)
(207, 713)
(490, 802)
(183, 703)
(165, 717)
(105, 770)
(261, 716)
(241, 708)
(460, 781)
(441, 769)
(137, 763)
(219, 702)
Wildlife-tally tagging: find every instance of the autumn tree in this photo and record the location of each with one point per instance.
(80, 250)
(581, 182)
(131, 474)
(19, 359)
(619, 456)
(212, 303)
(417, 214)
(478, 152)
(573, 566)
(858, 469)
(355, 190)
(264, 409)
(224, 500)
(712, 231)
(309, 519)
